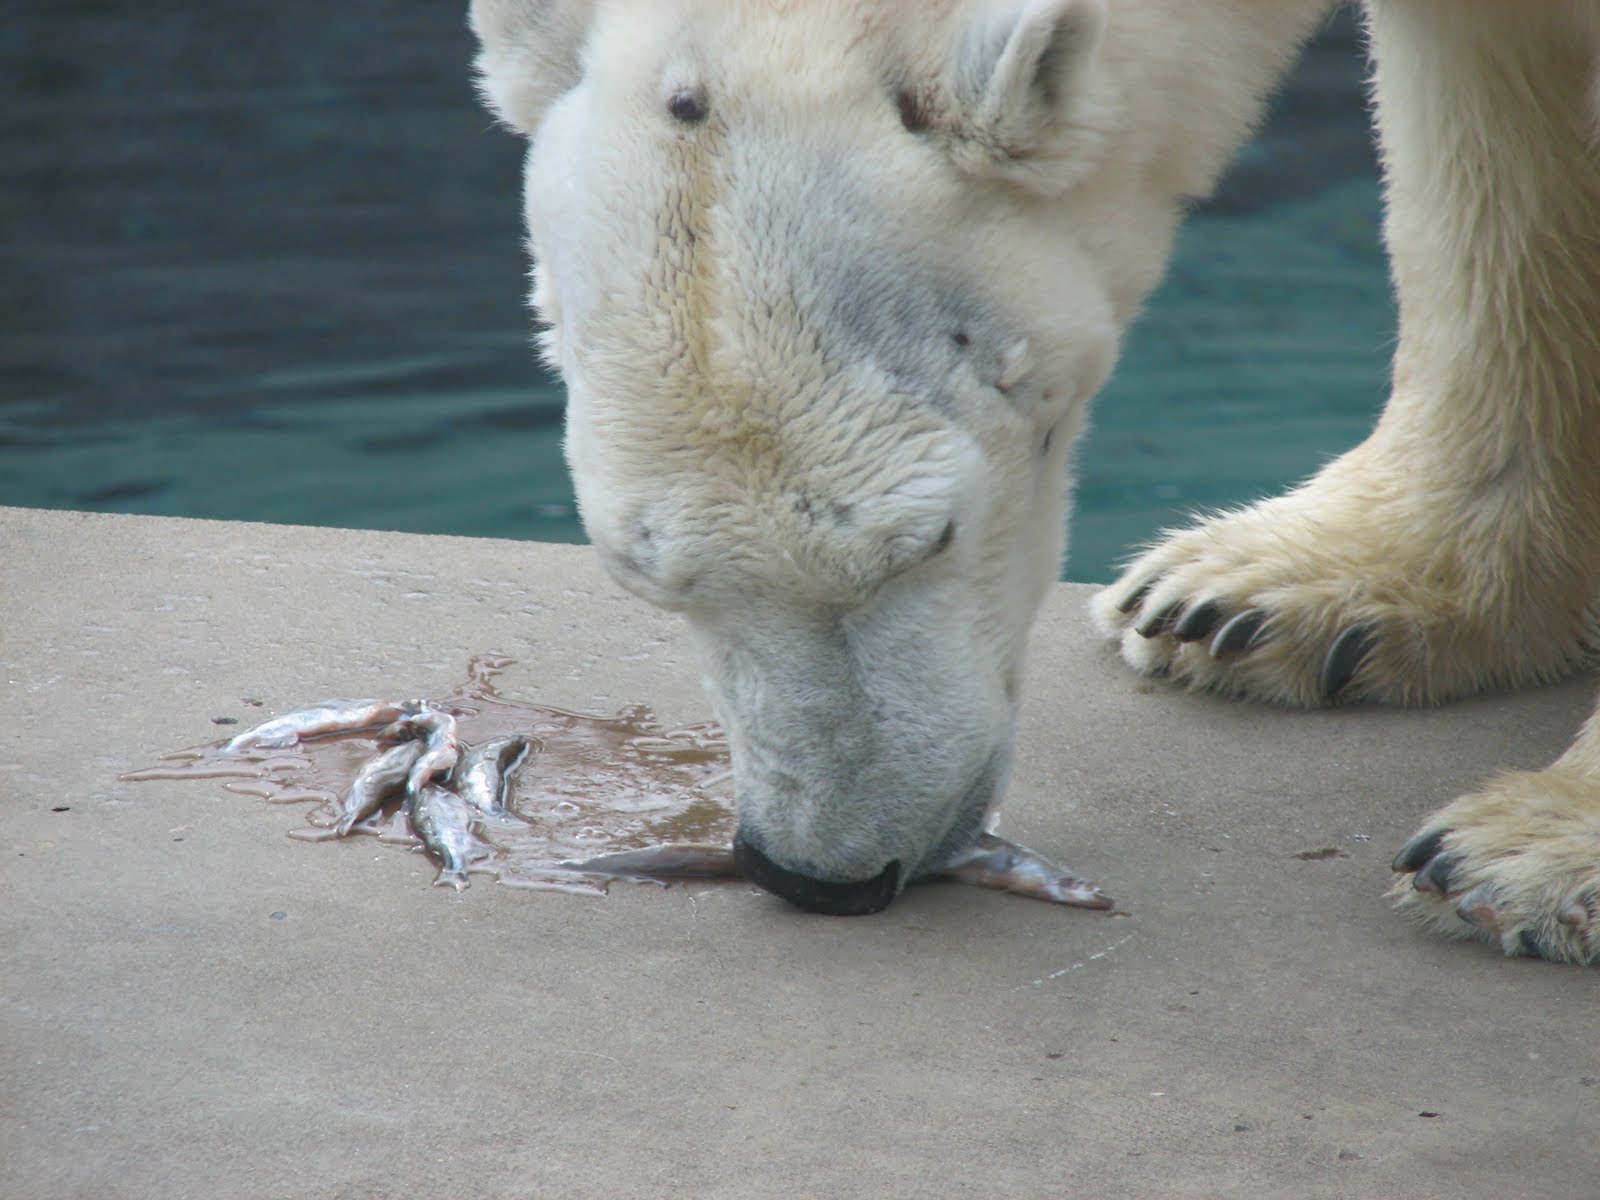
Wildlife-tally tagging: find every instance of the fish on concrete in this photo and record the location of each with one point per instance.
(323, 719)
(381, 779)
(483, 776)
(443, 821)
(993, 862)
(441, 750)
(677, 861)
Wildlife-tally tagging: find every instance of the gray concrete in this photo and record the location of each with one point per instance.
(1254, 1025)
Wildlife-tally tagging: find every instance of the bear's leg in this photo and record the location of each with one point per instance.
(1458, 548)
(1517, 863)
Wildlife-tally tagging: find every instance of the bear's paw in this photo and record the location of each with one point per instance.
(1351, 588)
(1516, 864)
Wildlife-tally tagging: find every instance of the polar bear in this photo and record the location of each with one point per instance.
(832, 282)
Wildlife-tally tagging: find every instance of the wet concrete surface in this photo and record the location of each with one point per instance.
(581, 786)
(197, 1005)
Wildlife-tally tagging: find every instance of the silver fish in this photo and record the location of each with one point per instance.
(321, 720)
(444, 823)
(483, 776)
(678, 861)
(382, 778)
(996, 863)
(440, 750)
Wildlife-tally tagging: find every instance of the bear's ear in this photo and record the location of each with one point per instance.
(529, 53)
(1024, 93)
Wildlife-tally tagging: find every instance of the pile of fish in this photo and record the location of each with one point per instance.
(456, 799)
(445, 788)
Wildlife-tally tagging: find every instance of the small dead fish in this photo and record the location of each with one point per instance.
(382, 778)
(483, 776)
(440, 749)
(996, 863)
(444, 823)
(322, 720)
(682, 861)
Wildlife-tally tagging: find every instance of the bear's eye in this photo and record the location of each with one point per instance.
(912, 115)
(945, 538)
(687, 106)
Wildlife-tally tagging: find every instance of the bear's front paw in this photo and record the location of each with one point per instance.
(1241, 623)
(1341, 591)
(1517, 864)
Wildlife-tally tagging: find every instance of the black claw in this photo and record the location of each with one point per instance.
(1199, 622)
(1157, 623)
(1435, 877)
(1419, 851)
(1344, 659)
(1136, 597)
(1243, 632)
(1531, 945)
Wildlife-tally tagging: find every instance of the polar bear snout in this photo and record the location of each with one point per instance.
(851, 855)
(834, 898)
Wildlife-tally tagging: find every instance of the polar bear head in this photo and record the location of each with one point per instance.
(828, 316)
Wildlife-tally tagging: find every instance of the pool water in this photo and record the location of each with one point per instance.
(264, 262)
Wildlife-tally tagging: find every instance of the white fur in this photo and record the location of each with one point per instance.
(1464, 534)
(831, 283)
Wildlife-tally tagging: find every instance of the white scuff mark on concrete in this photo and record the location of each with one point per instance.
(590, 1053)
(1071, 967)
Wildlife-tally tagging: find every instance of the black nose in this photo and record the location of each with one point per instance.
(818, 895)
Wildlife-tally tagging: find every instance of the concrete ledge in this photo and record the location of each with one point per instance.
(1256, 1025)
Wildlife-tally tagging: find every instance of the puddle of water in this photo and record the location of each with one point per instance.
(594, 785)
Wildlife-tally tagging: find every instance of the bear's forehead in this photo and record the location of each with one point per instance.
(771, 345)
(765, 249)
(748, 56)
(779, 312)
